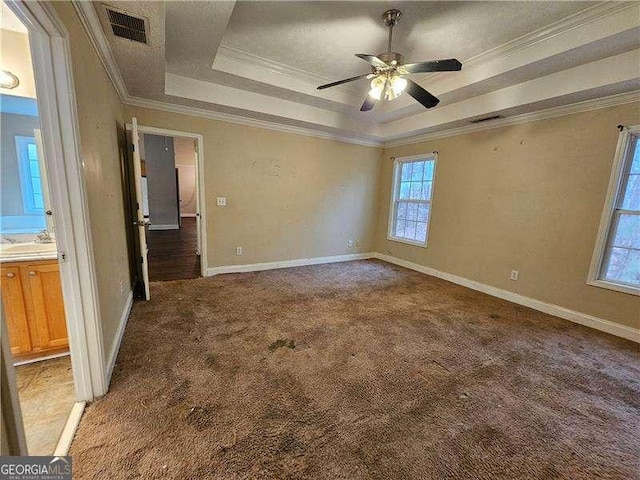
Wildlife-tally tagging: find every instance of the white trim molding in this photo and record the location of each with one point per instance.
(115, 348)
(601, 324)
(250, 122)
(300, 262)
(64, 442)
(51, 54)
(91, 23)
(586, 106)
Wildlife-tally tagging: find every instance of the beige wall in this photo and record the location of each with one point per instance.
(526, 197)
(101, 120)
(185, 152)
(288, 196)
(16, 57)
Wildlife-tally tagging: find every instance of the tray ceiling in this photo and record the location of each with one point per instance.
(263, 60)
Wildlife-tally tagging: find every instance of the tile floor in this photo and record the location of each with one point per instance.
(46, 396)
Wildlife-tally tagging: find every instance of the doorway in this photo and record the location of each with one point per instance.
(52, 359)
(171, 190)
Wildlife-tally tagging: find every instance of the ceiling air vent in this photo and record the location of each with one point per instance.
(127, 26)
(486, 119)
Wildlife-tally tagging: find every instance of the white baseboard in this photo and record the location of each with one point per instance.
(113, 354)
(64, 442)
(601, 324)
(301, 262)
(188, 215)
(169, 226)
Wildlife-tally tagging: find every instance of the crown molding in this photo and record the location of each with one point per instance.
(251, 122)
(588, 15)
(258, 61)
(585, 106)
(91, 23)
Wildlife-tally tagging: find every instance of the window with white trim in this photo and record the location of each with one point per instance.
(30, 180)
(616, 262)
(411, 199)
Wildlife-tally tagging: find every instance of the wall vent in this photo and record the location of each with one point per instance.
(486, 119)
(127, 26)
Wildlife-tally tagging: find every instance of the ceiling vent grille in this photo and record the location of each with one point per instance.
(127, 26)
(486, 119)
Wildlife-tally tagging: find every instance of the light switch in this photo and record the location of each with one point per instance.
(221, 201)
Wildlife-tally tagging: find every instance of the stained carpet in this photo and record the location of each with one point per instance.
(359, 370)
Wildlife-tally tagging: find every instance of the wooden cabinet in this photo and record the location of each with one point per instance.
(34, 308)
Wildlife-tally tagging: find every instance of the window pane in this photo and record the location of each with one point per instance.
(399, 228)
(421, 231)
(32, 153)
(412, 211)
(34, 168)
(405, 188)
(635, 165)
(416, 173)
(631, 199)
(624, 266)
(410, 230)
(428, 170)
(37, 186)
(426, 190)
(627, 232)
(416, 189)
(402, 211)
(406, 172)
(423, 212)
(38, 202)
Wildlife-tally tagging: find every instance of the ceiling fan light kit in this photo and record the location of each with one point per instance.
(388, 70)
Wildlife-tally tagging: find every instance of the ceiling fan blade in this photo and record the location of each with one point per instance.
(449, 65)
(346, 80)
(420, 94)
(368, 104)
(372, 59)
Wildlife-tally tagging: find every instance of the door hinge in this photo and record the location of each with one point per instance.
(63, 256)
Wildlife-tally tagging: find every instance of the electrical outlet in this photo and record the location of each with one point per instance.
(514, 274)
(238, 250)
(350, 243)
(357, 243)
(221, 201)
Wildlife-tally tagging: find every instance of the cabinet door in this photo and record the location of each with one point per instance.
(48, 306)
(14, 310)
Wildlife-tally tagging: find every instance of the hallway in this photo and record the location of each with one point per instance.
(173, 253)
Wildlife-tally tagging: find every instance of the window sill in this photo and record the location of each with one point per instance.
(408, 242)
(614, 286)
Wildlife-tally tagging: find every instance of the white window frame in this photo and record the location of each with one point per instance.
(395, 191)
(621, 166)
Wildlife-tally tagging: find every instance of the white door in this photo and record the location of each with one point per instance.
(197, 193)
(140, 222)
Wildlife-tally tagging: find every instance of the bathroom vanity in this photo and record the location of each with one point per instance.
(32, 301)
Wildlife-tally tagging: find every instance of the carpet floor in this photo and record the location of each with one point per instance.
(359, 370)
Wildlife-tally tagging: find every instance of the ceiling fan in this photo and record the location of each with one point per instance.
(388, 70)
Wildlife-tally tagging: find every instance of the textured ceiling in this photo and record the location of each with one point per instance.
(263, 60)
(322, 37)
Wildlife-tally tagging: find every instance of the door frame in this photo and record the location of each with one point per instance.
(201, 203)
(51, 57)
